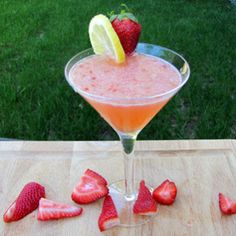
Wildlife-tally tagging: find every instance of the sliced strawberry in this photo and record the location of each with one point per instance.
(108, 217)
(95, 176)
(26, 202)
(145, 204)
(50, 210)
(227, 206)
(165, 193)
(90, 188)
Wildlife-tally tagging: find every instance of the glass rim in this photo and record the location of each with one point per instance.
(95, 97)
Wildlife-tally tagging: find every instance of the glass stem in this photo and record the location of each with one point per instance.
(128, 142)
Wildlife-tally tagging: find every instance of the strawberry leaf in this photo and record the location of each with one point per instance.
(113, 17)
(125, 13)
(131, 17)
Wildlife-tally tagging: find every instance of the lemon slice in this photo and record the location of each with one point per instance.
(104, 39)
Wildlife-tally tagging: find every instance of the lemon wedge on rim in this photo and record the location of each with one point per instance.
(104, 39)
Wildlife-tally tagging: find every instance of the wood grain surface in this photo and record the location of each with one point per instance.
(200, 168)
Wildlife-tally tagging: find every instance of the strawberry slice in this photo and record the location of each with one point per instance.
(26, 202)
(90, 188)
(145, 204)
(50, 210)
(165, 193)
(108, 217)
(95, 176)
(227, 206)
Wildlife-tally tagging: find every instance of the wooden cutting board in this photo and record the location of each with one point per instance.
(201, 169)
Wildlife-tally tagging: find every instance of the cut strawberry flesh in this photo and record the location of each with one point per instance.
(145, 204)
(108, 217)
(165, 193)
(227, 206)
(10, 212)
(50, 210)
(90, 188)
(95, 176)
(110, 224)
(92, 194)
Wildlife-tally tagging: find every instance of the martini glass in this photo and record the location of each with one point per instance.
(119, 113)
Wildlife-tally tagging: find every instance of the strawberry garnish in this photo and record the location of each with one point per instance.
(50, 210)
(90, 188)
(127, 28)
(165, 193)
(227, 206)
(26, 202)
(145, 204)
(108, 217)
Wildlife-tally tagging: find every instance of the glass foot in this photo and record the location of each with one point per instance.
(124, 205)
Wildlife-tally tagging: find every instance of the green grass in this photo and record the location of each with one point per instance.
(38, 38)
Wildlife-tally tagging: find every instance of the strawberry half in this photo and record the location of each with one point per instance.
(50, 210)
(26, 202)
(227, 206)
(145, 204)
(127, 28)
(90, 188)
(165, 193)
(108, 217)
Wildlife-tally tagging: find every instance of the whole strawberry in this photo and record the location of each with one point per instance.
(127, 28)
(26, 202)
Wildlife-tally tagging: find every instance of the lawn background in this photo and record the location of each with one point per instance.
(38, 37)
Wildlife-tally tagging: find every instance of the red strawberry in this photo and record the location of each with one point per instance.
(227, 206)
(26, 202)
(90, 188)
(108, 217)
(165, 193)
(145, 204)
(99, 179)
(50, 210)
(127, 28)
